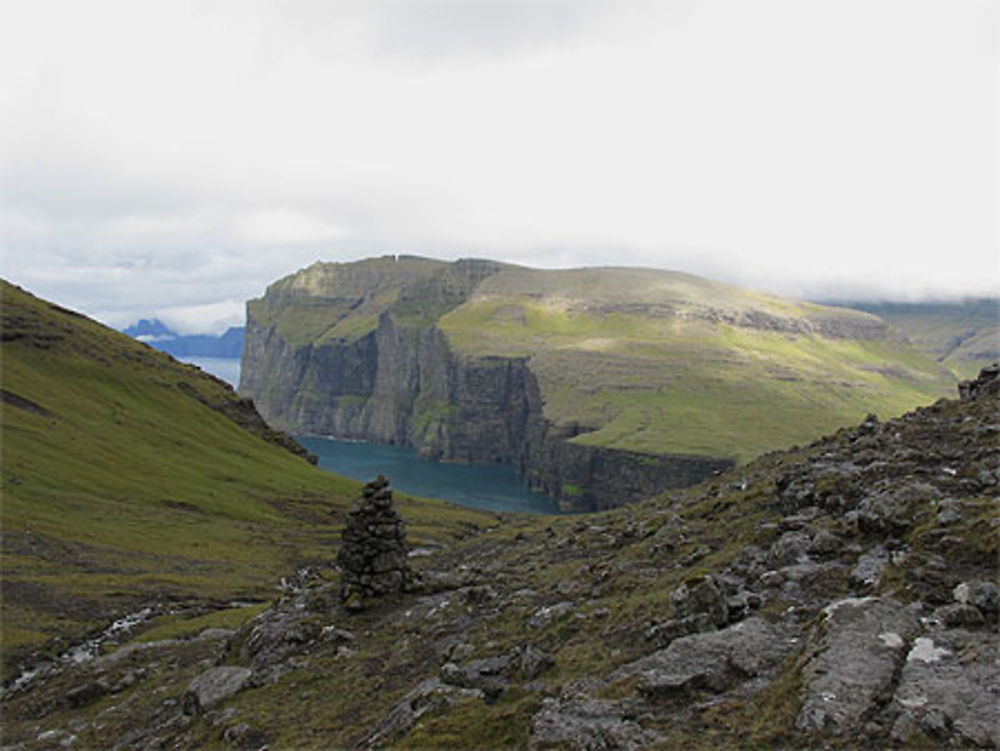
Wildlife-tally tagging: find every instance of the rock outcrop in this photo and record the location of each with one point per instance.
(985, 384)
(215, 686)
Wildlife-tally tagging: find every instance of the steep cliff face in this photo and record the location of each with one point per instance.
(586, 477)
(313, 388)
(602, 385)
(403, 384)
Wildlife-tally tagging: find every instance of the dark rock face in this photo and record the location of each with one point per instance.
(590, 478)
(373, 558)
(403, 385)
(987, 382)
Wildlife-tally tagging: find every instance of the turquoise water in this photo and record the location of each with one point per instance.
(495, 487)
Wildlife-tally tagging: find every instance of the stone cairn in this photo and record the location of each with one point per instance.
(373, 558)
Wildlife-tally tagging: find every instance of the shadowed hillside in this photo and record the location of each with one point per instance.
(133, 481)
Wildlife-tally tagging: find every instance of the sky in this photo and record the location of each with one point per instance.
(172, 158)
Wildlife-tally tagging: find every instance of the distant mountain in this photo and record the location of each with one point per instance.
(602, 385)
(157, 334)
(964, 336)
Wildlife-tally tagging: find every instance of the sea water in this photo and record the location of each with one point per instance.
(226, 368)
(495, 487)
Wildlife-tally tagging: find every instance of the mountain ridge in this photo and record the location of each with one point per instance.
(158, 335)
(964, 335)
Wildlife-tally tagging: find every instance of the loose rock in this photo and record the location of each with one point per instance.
(215, 686)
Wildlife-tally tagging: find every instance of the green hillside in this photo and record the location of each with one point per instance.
(963, 336)
(131, 479)
(658, 361)
(577, 377)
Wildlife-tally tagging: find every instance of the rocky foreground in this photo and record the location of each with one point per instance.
(840, 595)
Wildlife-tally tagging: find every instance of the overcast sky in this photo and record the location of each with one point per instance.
(173, 158)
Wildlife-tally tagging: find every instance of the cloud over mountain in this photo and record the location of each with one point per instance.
(175, 154)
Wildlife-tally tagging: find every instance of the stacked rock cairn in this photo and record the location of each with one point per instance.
(373, 558)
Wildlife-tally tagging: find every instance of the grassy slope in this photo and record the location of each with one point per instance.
(678, 381)
(121, 486)
(965, 337)
(337, 301)
(649, 360)
(620, 569)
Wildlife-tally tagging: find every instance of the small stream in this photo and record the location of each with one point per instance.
(84, 651)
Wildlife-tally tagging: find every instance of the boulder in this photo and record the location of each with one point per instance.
(588, 725)
(701, 596)
(275, 637)
(486, 674)
(713, 660)
(789, 549)
(959, 614)
(868, 571)
(549, 614)
(859, 645)
(824, 542)
(427, 695)
(889, 511)
(983, 595)
(215, 686)
(529, 662)
(949, 687)
(88, 692)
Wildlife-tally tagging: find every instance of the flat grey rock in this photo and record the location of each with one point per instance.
(713, 660)
(861, 644)
(950, 681)
(588, 725)
(214, 686)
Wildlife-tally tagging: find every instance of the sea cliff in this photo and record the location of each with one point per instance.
(601, 385)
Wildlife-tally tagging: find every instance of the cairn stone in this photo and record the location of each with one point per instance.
(373, 558)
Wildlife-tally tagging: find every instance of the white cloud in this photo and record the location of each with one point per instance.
(203, 319)
(283, 226)
(177, 153)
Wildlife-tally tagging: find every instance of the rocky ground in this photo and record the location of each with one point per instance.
(838, 595)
